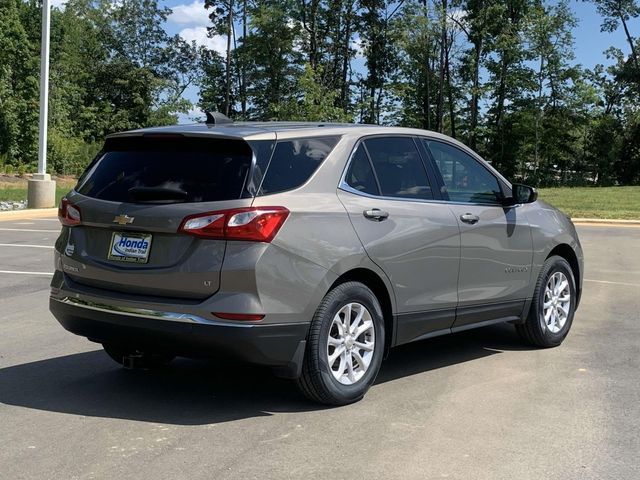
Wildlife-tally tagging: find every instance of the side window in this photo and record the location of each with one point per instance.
(294, 161)
(360, 174)
(465, 179)
(398, 167)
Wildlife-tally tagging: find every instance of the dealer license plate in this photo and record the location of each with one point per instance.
(130, 247)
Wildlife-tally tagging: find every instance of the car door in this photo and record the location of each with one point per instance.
(387, 193)
(496, 243)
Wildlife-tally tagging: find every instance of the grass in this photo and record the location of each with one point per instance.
(14, 188)
(595, 202)
(578, 202)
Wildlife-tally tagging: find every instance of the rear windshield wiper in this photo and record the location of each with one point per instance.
(157, 195)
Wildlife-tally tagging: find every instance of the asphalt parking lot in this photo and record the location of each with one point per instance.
(475, 405)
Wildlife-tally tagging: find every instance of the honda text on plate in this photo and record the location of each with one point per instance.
(307, 248)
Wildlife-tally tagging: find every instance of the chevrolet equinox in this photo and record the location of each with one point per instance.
(308, 248)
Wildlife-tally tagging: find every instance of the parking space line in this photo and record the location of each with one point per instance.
(612, 283)
(24, 245)
(27, 230)
(14, 272)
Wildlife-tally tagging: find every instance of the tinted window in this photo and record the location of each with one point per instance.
(360, 174)
(262, 150)
(398, 167)
(173, 169)
(294, 161)
(465, 179)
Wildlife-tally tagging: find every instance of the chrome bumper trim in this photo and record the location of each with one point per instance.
(144, 313)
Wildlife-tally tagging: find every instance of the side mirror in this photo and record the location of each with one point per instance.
(521, 194)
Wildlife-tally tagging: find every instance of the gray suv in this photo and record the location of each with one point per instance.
(308, 248)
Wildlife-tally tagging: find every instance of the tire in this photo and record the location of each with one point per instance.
(544, 332)
(143, 360)
(319, 379)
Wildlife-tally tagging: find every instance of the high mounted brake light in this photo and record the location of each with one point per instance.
(256, 224)
(69, 214)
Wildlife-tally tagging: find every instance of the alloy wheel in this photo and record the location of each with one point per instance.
(557, 302)
(351, 343)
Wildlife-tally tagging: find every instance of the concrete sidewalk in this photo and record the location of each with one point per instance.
(27, 214)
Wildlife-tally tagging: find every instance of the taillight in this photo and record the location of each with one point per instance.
(68, 214)
(257, 224)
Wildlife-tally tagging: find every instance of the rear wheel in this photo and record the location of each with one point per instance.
(132, 358)
(552, 307)
(344, 347)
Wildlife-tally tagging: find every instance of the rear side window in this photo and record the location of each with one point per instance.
(360, 174)
(294, 161)
(399, 167)
(175, 169)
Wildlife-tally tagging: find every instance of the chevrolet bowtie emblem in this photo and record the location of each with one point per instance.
(123, 219)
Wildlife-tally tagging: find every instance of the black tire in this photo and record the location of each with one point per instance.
(317, 381)
(143, 360)
(534, 330)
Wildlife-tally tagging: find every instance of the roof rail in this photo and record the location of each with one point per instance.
(217, 118)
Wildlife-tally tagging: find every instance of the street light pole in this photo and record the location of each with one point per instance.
(44, 87)
(41, 192)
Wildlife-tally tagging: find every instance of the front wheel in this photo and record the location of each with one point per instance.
(345, 346)
(552, 307)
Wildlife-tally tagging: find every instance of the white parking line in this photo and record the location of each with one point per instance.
(613, 283)
(24, 245)
(27, 230)
(26, 273)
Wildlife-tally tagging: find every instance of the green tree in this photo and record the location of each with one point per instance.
(314, 102)
(18, 85)
(274, 61)
(618, 12)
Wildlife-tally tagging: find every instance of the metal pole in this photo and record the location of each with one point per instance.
(44, 87)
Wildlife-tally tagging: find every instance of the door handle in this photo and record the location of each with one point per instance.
(376, 214)
(469, 218)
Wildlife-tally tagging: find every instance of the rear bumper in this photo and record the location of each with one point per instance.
(279, 346)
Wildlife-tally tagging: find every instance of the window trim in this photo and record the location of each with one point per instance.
(426, 157)
(343, 185)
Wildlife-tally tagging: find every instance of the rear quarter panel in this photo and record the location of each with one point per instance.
(317, 242)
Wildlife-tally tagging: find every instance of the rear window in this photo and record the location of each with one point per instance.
(294, 161)
(184, 169)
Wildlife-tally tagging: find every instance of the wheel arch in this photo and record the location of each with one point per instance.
(377, 285)
(565, 251)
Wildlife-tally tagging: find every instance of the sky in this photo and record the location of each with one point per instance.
(189, 19)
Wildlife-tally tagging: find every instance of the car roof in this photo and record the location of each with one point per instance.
(272, 130)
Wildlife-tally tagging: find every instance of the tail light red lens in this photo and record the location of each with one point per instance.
(69, 214)
(256, 224)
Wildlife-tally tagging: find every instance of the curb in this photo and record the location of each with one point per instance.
(606, 222)
(27, 214)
